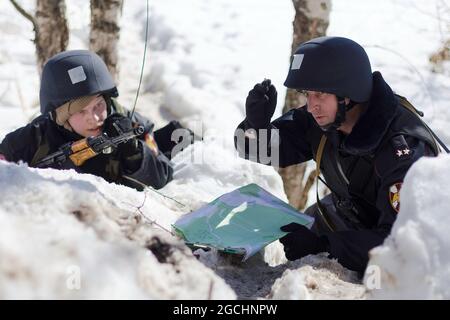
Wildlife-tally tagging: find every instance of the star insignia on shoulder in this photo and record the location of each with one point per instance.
(401, 150)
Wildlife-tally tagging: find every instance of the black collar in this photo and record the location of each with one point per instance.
(67, 134)
(374, 123)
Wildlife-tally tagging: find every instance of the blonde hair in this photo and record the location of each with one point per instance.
(64, 112)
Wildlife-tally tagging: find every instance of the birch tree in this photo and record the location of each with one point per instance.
(50, 28)
(105, 31)
(311, 21)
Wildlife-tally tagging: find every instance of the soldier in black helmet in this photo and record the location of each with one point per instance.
(363, 137)
(77, 99)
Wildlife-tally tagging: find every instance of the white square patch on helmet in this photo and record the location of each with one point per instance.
(297, 61)
(77, 74)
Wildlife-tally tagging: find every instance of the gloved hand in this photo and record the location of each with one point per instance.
(300, 241)
(260, 104)
(116, 124)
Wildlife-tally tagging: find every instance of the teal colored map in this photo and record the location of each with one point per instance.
(243, 221)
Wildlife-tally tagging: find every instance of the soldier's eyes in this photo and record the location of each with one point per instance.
(317, 94)
(100, 106)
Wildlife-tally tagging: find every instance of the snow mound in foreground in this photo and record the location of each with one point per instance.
(70, 236)
(313, 277)
(74, 236)
(414, 261)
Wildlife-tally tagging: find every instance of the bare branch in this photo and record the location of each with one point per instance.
(24, 13)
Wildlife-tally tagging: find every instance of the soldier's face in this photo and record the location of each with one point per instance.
(89, 121)
(322, 106)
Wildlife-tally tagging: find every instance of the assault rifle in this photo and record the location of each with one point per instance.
(84, 149)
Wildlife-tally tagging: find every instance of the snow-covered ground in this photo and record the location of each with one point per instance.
(65, 235)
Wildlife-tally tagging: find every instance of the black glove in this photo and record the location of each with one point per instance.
(260, 104)
(300, 241)
(163, 137)
(116, 124)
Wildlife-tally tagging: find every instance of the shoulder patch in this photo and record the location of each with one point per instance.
(151, 143)
(394, 196)
(400, 148)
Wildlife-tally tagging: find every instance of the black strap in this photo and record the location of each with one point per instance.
(405, 103)
(42, 150)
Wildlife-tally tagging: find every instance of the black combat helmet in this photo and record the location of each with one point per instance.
(72, 74)
(334, 65)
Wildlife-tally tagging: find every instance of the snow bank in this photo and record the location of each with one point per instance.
(414, 261)
(71, 236)
(59, 224)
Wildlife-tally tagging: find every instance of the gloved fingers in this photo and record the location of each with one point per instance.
(290, 256)
(288, 240)
(283, 240)
(262, 88)
(289, 253)
(272, 93)
(258, 91)
(266, 83)
(129, 148)
(292, 227)
(115, 124)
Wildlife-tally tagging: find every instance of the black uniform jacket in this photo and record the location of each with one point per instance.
(43, 136)
(364, 170)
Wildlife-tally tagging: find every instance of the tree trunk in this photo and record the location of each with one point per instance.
(105, 30)
(438, 58)
(52, 32)
(311, 21)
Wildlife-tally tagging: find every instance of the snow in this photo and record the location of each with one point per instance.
(399, 36)
(419, 245)
(68, 236)
(313, 277)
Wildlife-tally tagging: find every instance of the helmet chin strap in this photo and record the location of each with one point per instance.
(108, 101)
(340, 114)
